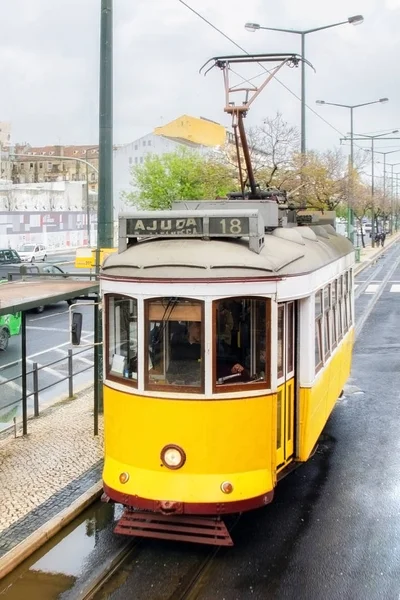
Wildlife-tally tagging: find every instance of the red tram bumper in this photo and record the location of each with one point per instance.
(188, 508)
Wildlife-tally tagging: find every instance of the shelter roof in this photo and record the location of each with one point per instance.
(24, 295)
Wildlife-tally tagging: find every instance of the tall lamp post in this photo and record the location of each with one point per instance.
(351, 107)
(392, 166)
(362, 137)
(355, 20)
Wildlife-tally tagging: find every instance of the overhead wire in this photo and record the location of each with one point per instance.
(232, 41)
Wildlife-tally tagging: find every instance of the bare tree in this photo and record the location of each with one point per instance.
(271, 146)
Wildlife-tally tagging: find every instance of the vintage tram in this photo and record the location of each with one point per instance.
(228, 332)
(228, 339)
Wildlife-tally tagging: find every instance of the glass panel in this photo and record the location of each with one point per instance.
(318, 304)
(318, 353)
(344, 315)
(327, 298)
(326, 335)
(339, 320)
(334, 292)
(281, 333)
(340, 290)
(346, 283)
(279, 420)
(290, 337)
(175, 342)
(289, 411)
(241, 341)
(350, 309)
(333, 327)
(122, 343)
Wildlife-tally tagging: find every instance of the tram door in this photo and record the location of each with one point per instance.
(286, 385)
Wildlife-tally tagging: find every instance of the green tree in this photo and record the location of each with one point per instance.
(180, 175)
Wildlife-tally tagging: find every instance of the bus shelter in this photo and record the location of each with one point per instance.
(22, 296)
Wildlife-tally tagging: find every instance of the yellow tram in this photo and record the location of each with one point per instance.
(228, 338)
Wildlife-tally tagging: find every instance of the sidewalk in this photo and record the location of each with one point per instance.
(48, 477)
(370, 255)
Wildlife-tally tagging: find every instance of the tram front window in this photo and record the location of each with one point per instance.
(241, 341)
(122, 337)
(175, 343)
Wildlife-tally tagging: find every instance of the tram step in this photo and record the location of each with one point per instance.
(182, 528)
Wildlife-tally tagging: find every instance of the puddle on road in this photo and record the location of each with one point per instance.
(56, 567)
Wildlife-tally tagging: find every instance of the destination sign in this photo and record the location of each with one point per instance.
(164, 227)
(303, 219)
(204, 224)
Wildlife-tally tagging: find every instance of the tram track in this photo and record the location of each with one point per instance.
(372, 303)
(98, 580)
(189, 584)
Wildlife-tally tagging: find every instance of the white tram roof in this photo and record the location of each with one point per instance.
(286, 251)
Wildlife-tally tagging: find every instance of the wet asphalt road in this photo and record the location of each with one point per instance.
(333, 530)
(47, 341)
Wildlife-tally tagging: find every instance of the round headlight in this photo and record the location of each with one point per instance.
(173, 457)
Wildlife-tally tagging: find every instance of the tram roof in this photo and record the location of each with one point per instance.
(286, 251)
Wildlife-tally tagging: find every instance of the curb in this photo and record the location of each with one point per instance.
(32, 543)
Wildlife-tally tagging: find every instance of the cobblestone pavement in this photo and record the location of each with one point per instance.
(54, 464)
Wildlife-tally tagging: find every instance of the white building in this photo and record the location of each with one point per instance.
(125, 157)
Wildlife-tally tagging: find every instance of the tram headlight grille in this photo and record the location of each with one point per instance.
(173, 457)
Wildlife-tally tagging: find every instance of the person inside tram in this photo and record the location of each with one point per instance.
(229, 367)
(185, 353)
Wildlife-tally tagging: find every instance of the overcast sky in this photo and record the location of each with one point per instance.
(50, 53)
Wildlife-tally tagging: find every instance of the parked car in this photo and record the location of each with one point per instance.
(9, 257)
(33, 252)
(15, 272)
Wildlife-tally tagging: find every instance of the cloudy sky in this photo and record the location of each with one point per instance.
(50, 53)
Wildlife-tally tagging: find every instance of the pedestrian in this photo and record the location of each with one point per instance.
(383, 237)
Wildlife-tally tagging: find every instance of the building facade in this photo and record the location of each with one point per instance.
(55, 163)
(194, 134)
(54, 214)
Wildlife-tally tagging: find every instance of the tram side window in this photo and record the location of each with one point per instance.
(349, 298)
(339, 310)
(122, 337)
(174, 342)
(241, 342)
(318, 330)
(327, 332)
(334, 314)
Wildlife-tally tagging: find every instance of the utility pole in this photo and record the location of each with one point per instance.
(105, 219)
(105, 208)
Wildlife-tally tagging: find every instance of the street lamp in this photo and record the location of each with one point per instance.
(372, 138)
(351, 107)
(392, 165)
(355, 20)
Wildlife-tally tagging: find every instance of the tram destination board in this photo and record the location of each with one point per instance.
(148, 226)
(232, 225)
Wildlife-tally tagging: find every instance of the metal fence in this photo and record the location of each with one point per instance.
(35, 374)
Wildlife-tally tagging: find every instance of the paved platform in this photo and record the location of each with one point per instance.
(53, 468)
(44, 473)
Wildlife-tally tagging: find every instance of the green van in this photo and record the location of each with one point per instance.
(9, 325)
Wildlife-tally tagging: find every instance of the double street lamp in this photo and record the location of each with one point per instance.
(351, 107)
(355, 20)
